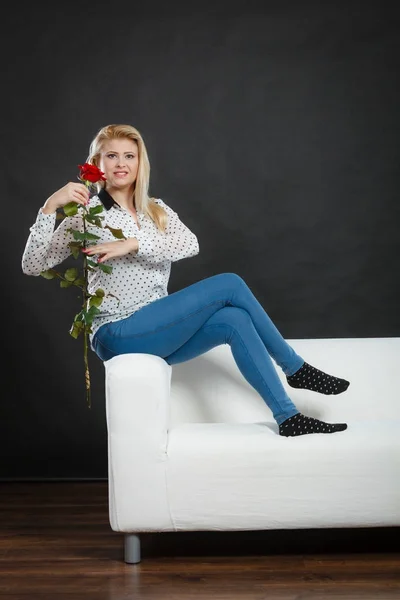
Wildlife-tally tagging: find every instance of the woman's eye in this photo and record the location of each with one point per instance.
(127, 156)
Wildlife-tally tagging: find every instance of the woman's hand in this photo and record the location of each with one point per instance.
(71, 192)
(112, 249)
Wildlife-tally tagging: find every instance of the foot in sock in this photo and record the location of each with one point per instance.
(299, 424)
(310, 378)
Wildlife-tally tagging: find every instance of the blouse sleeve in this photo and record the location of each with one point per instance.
(176, 243)
(47, 247)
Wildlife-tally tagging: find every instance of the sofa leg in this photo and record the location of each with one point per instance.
(132, 548)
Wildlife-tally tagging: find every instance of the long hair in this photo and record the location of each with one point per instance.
(143, 202)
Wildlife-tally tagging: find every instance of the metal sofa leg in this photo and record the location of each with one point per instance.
(132, 548)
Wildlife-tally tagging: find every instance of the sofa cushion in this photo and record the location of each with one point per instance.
(232, 476)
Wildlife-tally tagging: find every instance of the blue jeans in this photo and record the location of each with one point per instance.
(220, 309)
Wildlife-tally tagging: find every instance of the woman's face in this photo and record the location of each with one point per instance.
(119, 162)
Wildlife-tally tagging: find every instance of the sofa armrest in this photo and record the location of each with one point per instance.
(138, 412)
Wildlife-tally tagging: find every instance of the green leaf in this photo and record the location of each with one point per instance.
(95, 301)
(99, 292)
(71, 209)
(49, 274)
(81, 236)
(65, 284)
(93, 310)
(76, 329)
(95, 221)
(80, 282)
(95, 210)
(59, 216)
(89, 314)
(105, 268)
(71, 274)
(75, 248)
(91, 263)
(117, 233)
(78, 317)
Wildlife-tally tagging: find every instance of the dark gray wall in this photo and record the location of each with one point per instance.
(272, 129)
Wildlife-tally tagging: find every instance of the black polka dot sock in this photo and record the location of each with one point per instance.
(310, 378)
(299, 424)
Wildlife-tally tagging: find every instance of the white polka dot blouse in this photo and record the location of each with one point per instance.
(136, 278)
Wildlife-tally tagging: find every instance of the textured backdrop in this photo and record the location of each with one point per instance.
(272, 129)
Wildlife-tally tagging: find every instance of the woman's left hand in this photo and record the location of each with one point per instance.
(112, 249)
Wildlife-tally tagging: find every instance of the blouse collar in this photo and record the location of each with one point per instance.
(108, 201)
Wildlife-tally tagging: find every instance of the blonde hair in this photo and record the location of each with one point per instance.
(143, 202)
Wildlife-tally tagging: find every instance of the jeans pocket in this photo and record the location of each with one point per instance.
(101, 349)
(103, 331)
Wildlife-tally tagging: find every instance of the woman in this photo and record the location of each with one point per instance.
(138, 314)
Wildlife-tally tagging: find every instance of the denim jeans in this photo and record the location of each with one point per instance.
(220, 309)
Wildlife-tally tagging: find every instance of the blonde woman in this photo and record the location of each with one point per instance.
(138, 314)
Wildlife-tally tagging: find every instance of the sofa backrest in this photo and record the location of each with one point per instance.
(210, 388)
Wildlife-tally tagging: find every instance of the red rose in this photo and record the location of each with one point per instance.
(91, 173)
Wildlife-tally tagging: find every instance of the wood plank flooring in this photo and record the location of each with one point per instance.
(56, 543)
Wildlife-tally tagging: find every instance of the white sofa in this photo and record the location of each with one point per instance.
(194, 446)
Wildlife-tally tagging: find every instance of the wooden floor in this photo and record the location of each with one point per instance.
(57, 544)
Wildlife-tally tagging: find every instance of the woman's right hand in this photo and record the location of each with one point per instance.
(71, 192)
